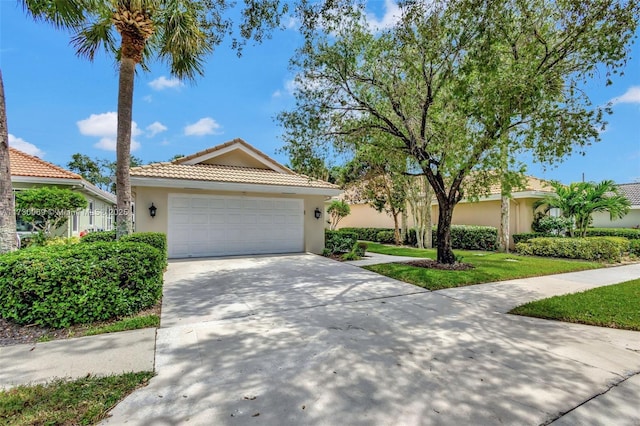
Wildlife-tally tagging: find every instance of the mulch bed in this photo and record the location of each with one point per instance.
(432, 264)
(15, 334)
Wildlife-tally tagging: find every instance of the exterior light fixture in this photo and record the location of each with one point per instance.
(317, 213)
(152, 210)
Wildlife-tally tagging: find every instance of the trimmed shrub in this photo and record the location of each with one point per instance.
(339, 241)
(523, 238)
(59, 286)
(467, 237)
(634, 247)
(360, 248)
(605, 249)
(154, 239)
(93, 237)
(366, 234)
(385, 237)
(628, 233)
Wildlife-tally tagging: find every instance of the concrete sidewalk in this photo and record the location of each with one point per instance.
(101, 355)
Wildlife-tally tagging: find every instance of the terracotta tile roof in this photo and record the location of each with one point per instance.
(631, 191)
(232, 174)
(181, 160)
(23, 164)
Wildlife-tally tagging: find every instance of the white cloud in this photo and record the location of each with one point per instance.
(105, 126)
(163, 82)
(24, 146)
(276, 94)
(204, 126)
(155, 128)
(391, 17)
(148, 98)
(631, 96)
(292, 22)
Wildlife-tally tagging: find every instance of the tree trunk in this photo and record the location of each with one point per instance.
(445, 215)
(8, 235)
(405, 225)
(396, 229)
(505, 210)
(124, 222)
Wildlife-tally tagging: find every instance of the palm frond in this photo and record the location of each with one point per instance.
(93, 35)
(59, 13)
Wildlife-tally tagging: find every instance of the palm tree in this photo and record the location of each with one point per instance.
(174, 31)
(61, 14)
(579, 201)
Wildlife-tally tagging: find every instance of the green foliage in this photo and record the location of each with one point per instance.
(93, 237)
(634, 247)
(132, 323)
(524, 237)
(629, 233)
(385, 237)
(366, 234)
(360, 248)
(337, 242)
(48, 207)
(62, 241)
(468, 237)
(580, 200)
(59, 286)
(550, 225)
(338, 210)
(352, 255)
(157, 240)
(603, 249)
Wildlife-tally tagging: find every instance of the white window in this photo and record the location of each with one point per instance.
(90, 213)
(74, 222)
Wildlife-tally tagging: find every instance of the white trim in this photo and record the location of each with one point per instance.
(495, 197)
(46, 181)
(237, 146)
(231, 186)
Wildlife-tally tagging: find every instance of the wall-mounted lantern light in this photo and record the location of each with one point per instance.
(317, 213)
(152, 210)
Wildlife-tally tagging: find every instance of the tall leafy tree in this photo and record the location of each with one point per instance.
(456, 81)
(580, 200)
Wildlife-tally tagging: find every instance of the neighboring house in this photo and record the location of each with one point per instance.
(632, 219)
(230, 200)
(28, 171)
(484, 212)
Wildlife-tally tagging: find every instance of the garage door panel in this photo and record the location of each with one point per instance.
(215, 225)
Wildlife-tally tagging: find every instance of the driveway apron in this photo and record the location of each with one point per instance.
(303, 340)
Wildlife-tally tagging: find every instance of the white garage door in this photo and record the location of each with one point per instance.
(217, 225)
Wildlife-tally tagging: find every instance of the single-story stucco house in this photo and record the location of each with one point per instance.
(485, 211)
(631, 219)
(230, 200)
(28, 171)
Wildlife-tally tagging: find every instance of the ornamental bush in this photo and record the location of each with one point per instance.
(386, 237)
(629, 233)
(59, 286)
(93, 237)
(634, 247)
(468, 237)
(524, 237)
(154, 239)
(337, 242)
(604, 249)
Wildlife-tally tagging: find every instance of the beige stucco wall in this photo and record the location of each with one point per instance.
(144, 196)
(603, 220)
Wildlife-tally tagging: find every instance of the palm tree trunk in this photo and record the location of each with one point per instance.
(123, 146)
(8, 239)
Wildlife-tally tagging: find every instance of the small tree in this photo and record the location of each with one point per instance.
(579, 201)
(337, 211)
(48, 208)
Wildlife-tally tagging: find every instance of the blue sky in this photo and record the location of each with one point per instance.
(59, 104)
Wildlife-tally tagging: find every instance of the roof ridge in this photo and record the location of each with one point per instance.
(42, 162)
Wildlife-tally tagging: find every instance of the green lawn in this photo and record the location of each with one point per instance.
(615, 306)
(489, 267)
(79, 402)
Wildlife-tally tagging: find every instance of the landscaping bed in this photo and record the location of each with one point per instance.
(16, 334)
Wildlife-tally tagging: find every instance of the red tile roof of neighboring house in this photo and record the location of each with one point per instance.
(23, 164)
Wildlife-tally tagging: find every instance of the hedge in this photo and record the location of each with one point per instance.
(606, 249)
(629, 233)
(93, 237)
(154, 239)
(634, 247)
(336, 242)
(367, 234)
(60, 286)
(524, 237)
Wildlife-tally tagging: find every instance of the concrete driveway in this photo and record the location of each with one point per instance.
(303, 340)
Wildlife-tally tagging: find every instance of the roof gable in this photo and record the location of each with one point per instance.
(236, 153)
(631, 191)
(23, 164)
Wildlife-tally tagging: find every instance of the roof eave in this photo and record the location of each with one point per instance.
(141, 181)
